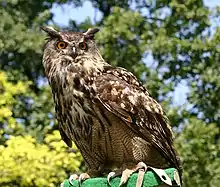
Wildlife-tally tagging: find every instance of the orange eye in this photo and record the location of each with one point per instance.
(83, 45)
(61, 45)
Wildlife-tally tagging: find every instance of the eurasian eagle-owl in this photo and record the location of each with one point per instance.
(105, 110)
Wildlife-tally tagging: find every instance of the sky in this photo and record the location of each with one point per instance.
(62, 15)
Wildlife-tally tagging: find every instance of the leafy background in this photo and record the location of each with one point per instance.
(173, 46)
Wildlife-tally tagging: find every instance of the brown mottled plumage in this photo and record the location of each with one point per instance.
(109, 115)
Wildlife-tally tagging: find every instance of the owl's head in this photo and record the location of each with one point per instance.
(69, 47)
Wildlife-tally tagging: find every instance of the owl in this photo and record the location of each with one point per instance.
(105, 110)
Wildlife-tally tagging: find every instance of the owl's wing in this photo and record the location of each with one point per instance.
(65, 136)
(120, 93)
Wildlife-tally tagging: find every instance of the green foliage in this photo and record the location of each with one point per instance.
(186, 44)
(8, 93)
(200, 153)
(163, 42)
(24, 162)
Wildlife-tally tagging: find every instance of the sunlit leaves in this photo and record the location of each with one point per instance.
(200, 153)
(8, 93)
(25, 162)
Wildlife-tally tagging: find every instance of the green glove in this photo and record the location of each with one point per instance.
(150, 180)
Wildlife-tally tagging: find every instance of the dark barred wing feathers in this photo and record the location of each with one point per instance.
(120, 93)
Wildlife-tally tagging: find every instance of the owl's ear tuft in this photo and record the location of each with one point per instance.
(50, 31)
(90, 33)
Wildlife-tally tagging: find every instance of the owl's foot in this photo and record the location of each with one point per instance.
(141, 167)
(80, 178)
(73, 177)
(127, 172)
(113, 174)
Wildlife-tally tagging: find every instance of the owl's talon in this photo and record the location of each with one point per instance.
(125, 176)
(80, 180)
(142, 168)
(83, 177)
(110, 176)
(113, 174)
(73, 177)
(141, 165)
(140, 177)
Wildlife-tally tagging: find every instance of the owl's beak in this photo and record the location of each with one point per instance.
(74, 50)
(74, 53)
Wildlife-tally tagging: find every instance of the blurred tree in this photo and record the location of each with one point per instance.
(187, 45)
(200, 153)
(8, 93)
(24, 162)
(163, 42)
